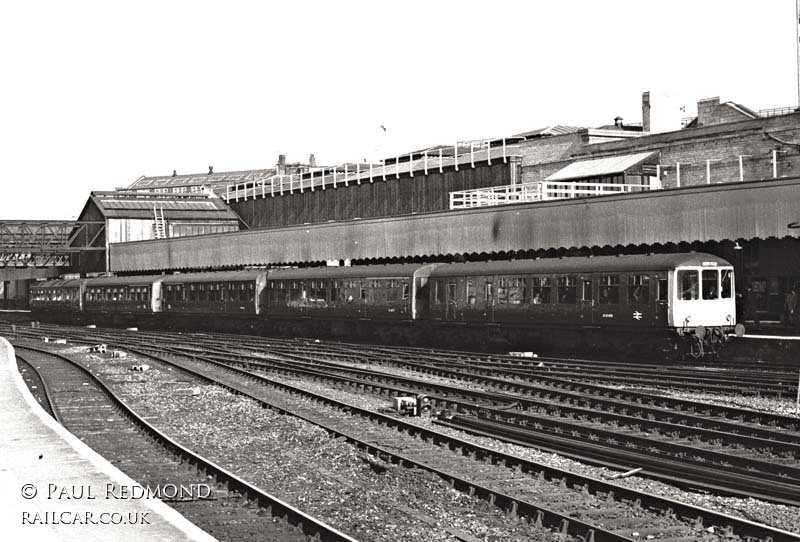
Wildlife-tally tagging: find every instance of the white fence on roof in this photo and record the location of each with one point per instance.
(540, 191)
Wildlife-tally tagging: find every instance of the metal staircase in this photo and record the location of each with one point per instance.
(159, 225)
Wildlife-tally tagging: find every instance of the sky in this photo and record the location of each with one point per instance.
(94, 95)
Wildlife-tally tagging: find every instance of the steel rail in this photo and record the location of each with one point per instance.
(45, 388)
(727, 523)
(309, 525)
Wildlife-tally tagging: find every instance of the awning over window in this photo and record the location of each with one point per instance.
(601, 167)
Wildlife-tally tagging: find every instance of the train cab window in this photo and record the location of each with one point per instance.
(710, 279)
(567, 290)
(662, 289)
(489, 292)
(451, 292)
(363, 294)
(438, 291)
(638, 289)
(688, 285)
(609, 290)
(726, 283)
(540, 290)
(406, 290)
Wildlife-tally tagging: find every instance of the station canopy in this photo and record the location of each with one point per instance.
(626, 164)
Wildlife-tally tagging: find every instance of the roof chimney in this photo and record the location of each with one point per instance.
(174, 172)
(210, 170)
(646, 111)
(706, 109)
(281, 164)
(312, 161)
(618, 122)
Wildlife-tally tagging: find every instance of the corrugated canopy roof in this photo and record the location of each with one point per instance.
(175, 206)
(556, 129)
(228, 177)
(599, 167)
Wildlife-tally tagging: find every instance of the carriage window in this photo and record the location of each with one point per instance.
(688, 285)
(540, 290)
(727, 283)
(511, 291)
(438, 291)
(489, 287)
(567, 290)
(710, 284)
(406, 290)
(470, 293)
(609, 290)
(638, 289)
(451, 292)
(363, 294)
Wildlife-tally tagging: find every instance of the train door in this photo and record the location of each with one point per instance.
(661, 297)
(586, 302)
(489, 299)
(447, 296)
(473, 306)
(421, 299)
(454, 285)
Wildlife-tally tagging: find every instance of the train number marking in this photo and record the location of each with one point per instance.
(608, 315)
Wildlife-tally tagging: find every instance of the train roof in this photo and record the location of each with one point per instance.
(363, 271)
(59, 283)
(221, 276)
(137, 280)
(591, 264)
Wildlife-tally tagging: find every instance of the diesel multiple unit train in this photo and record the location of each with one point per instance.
(660, 301)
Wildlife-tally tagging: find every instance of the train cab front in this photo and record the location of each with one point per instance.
(703, 307)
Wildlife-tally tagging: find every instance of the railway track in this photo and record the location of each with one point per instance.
(719, 376)
(38, 387)
(224, 505)
(737, 456)
(506, 480)
(685, 454)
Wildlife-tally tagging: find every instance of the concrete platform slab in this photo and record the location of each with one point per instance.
(54, 487)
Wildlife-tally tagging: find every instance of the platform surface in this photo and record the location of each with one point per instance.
(54, 487)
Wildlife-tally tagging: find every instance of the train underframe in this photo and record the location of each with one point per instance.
(553, 340)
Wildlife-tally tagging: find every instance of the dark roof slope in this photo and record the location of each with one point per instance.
(196, 179)
(121, 204)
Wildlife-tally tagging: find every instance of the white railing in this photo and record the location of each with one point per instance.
(345, 175)
(541, 191)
